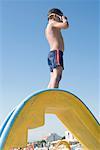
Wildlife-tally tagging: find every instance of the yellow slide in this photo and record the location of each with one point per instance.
(69, 109)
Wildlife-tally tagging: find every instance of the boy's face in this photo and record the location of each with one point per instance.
(57, 18)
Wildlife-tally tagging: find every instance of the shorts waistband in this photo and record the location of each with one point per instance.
(56, 50)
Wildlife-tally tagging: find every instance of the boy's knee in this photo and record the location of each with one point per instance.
(58, 78)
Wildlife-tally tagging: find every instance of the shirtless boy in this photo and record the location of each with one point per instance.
(56, 22)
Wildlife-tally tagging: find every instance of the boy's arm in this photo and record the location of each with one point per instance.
(62, 25)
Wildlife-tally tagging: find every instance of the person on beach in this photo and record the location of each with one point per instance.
(56, 22)
(63, 144)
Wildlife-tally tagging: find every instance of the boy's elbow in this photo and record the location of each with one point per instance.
(66, 25)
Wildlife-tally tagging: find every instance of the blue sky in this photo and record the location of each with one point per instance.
(24, 50)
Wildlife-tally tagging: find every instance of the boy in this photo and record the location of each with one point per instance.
(56, 22)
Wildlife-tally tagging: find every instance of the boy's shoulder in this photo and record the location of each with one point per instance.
(51, 24)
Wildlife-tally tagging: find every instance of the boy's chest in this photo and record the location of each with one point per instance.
(53, 32)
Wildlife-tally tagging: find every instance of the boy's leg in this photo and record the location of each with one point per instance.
(50, 82)
(55, 77)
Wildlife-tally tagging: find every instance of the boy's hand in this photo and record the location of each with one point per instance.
(62, 24)
(64, 18)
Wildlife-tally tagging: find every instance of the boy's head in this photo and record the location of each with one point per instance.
(55, 14)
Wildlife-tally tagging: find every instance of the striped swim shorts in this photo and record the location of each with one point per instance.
(55, 59)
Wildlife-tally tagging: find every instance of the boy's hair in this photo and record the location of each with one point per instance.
(54, 11)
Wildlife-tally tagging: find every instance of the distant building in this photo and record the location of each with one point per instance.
(69, 137)
(53, 137)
